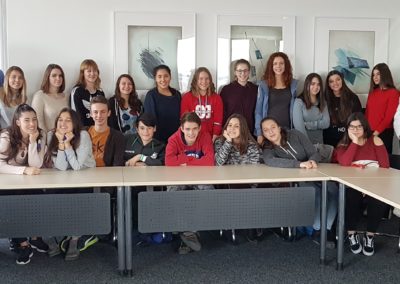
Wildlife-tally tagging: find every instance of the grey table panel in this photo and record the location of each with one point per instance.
(55, 214)
(225, 209)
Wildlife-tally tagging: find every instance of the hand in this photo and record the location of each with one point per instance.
(60, 136)
(260, 140)
(306, 165)
(31, 171)
(376, 133)
(353, 138)
(33, 137)
(314, 164)
(140, 164)
(132, 161)
(227, 137)
(68, 137)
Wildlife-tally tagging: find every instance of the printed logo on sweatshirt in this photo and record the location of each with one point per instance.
(154, 155)
(203, 111)
(194, 153)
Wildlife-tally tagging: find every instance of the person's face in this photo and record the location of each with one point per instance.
(278, 65)
(90, 74)
(27, 123)
(163, 79)
(16, 80)
(100, 113)
(190, 131)
(203, 83)
(64, 123)
(356, 128)
(56, 78)
(242, 73)
(376, 76)
(125, 86)
(271, 131)
(146, 133)
(315, 86)
(335, 83)
(233, 128)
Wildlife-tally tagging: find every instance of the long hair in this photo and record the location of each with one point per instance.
(7, 95)
(346, 101)
(345, 141)
(53, 145)
(193, 86)
(386, 77)
(133, 100)
(305, 96)
(15, 135)
(269, 74)
(268, 144)
(245, 137)
(45, 87)
(88, 64)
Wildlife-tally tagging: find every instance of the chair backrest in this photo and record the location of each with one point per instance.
(394, 161)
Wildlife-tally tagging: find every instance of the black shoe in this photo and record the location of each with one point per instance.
(355, 245)
(368, 248)
(39, 245)
(13, 246)
(24, 255)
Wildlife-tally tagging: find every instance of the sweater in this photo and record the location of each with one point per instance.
(80, 102)
(381, 108)
(178, 153)
(310, 121)
(227, 154)
(153, 152)
(80, 158)
(31, 157)
(346, 155)
(48, 108)
(209, 108)
(240, 99)
(166, 110)
(262, 104)
(298, 149)
(115, 120)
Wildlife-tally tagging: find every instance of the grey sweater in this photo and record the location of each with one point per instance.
(299, 149)
(227, 154)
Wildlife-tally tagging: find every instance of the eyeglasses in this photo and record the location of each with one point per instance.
(355, 127)
(242, 71)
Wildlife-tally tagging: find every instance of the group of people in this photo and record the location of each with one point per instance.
(244, 124)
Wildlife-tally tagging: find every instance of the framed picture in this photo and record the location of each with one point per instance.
(143, 41)
(351, 46)
(254, 38)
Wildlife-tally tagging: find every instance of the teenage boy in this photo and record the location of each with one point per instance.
(189, 146)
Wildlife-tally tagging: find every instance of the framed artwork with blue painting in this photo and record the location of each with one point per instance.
(352, 46)
(143, 41)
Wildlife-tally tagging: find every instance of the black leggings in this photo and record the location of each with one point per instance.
(387, 138)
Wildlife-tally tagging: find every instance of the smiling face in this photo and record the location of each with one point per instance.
(315, 86)
(376, 76)
(56, 78)
(16, 81)
(125, 86)
(64, 123)
(203, 82)
(190, 131)
(90, 75)
(163, 79)
(242, 73)
(27, 123)
(233, 128)
(335, 83)
(278, 65)
(271, 131)
(100, 113)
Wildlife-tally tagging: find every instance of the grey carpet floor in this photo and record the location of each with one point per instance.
(270, 261)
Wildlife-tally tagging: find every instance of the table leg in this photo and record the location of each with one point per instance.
(339, 265)
(121, 229)
(323, 221)
(128, 229)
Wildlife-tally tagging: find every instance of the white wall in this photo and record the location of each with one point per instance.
(66, 32)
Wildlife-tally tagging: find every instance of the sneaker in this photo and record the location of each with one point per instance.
(24, 255)
(39, 245)
(355, 244)
(368, 248)
(72, 251)
(13, 246)
(191, 240)
(184, 249)
(86, 241)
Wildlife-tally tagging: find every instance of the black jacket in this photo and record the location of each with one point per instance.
(154, 151)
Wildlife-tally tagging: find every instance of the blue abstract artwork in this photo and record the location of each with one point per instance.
(350, 65)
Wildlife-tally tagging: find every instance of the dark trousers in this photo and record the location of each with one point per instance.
(354, 208)
(387, 138)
